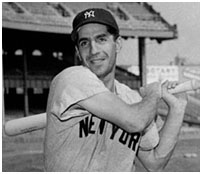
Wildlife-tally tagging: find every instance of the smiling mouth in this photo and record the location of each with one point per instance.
(97, 60)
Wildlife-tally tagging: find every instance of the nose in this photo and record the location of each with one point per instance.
(94, 48)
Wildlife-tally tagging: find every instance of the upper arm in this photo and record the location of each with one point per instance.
(108, 106)
(146, 158)
(147, 150)
(152, 161)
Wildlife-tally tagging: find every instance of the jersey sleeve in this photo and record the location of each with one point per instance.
(73, 86)
(150, 138)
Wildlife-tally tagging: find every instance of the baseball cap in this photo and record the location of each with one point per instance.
(93, 15)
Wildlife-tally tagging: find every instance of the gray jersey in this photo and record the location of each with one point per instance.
(79, 141)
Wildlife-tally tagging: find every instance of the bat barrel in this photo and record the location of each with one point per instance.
(24, 125)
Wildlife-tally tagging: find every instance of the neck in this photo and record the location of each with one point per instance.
(109, 81)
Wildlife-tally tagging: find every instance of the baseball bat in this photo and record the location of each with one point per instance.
(25, 124)
(38, 121)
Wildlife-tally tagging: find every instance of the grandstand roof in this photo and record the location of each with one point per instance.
(134, 19)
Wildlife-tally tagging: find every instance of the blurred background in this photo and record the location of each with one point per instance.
(161, 41)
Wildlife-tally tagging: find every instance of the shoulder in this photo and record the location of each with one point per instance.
(72, 85)
(126, 93)
(74, 71)
(76, 77)
(74, 74)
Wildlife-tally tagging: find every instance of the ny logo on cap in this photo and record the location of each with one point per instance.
(89, 14)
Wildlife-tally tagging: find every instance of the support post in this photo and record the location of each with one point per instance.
(142, 61)
(26, 99)
(3, 105)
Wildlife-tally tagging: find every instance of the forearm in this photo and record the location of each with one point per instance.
(157, 158)
(170, 131)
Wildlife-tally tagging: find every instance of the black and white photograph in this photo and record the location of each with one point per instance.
(100, 86)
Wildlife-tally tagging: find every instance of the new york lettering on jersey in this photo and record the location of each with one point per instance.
(86, 127)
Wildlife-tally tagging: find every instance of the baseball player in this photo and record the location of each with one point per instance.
(97, 124)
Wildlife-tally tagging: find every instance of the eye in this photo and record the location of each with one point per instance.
(83, 43)
(102, 39)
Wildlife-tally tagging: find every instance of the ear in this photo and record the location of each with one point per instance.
(118, 44)
(78, 54)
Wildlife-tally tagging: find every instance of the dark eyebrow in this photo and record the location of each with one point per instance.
(102, 35)
(82, 39)
(98, 36)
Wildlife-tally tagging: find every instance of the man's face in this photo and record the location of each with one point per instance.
(97, 49)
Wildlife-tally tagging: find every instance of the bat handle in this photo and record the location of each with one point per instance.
(185, 86)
